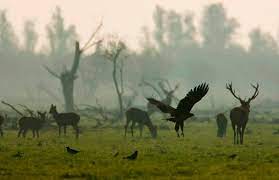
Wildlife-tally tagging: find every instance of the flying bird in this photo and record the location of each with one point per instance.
(183, 111)
(132, 156)
(71, 151)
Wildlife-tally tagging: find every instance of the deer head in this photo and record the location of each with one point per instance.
(244, 104)
(52, 109)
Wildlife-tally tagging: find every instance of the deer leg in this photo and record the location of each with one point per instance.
(238, 135)
(1, 130)
(140, 128)
(33, 133)
(242, 134)
(181, 128)
(77, 130)
(37, 132)
(65, 127)
(126, 126)
(234, 134)
(59, 127)
(19, 132)
(132, 127)
(176, 127)
(24, 132)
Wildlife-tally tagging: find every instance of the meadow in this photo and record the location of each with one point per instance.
(199, 155)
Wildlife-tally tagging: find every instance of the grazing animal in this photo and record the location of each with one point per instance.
(71, 151)
(65, 119)
(33, 123)
(182, 112)
(132, 156)
(169, 95)
(222, 122)
(2, 119)
(142, 118)
(239, 115)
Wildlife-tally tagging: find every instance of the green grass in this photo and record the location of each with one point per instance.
(199, 155)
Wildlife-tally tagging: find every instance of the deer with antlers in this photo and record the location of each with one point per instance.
(239, 115)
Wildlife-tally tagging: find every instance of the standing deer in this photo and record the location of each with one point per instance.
(65, 119)
(221, 121)
(2, 119)
(239, 115)
(169, 95)
(33, 123)
(142, 118)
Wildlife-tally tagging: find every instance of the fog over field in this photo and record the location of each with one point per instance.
(184, 42)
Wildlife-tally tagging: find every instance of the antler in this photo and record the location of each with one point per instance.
(256, 93)
(229, 87)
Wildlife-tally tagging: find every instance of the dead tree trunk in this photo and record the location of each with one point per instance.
(68, 77)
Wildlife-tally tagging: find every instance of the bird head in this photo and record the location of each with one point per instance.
(191, 115)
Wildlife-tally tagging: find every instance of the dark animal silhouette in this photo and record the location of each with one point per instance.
(169, 95)
(132, 156)
(182, 112)
(116, 154)
(33, 123)
(142, 118)
(232, 156)
(222, 122)
(65, 119)
(239, 115)
(71, 151)
(2, 119)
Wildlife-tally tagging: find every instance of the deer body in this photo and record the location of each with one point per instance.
(239, 115)
(65, 119)
(33, 123)
(222, 124)
(142, 118)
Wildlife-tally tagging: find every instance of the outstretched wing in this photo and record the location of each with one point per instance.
(163, 107)
(193, 96)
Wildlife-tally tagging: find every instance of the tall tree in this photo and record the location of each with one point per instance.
(68, 76)
(262, 43)
(217, 28)
(112, 53)
(159, 32)
(8, 39)
(60, 37)
(30, 36)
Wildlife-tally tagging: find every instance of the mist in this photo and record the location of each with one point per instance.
(177, 48)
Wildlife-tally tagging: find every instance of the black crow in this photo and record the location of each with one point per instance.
(132, 156)
(71, 151)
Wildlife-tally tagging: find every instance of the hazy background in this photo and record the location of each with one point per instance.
(186, 42)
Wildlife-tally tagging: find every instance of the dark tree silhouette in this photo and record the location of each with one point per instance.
(112, 53)
(67, 77)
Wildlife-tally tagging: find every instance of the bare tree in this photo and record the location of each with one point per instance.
(112, 53)
(67, 77)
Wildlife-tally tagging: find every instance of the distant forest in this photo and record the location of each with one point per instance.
(175, 50)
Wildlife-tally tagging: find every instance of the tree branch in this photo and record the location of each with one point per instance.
(51, 72)
(12, 108)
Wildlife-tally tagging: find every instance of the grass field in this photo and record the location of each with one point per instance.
(199, 155)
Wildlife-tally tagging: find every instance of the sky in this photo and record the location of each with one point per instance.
(127, 17)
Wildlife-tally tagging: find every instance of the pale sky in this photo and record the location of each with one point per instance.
(126, 17)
